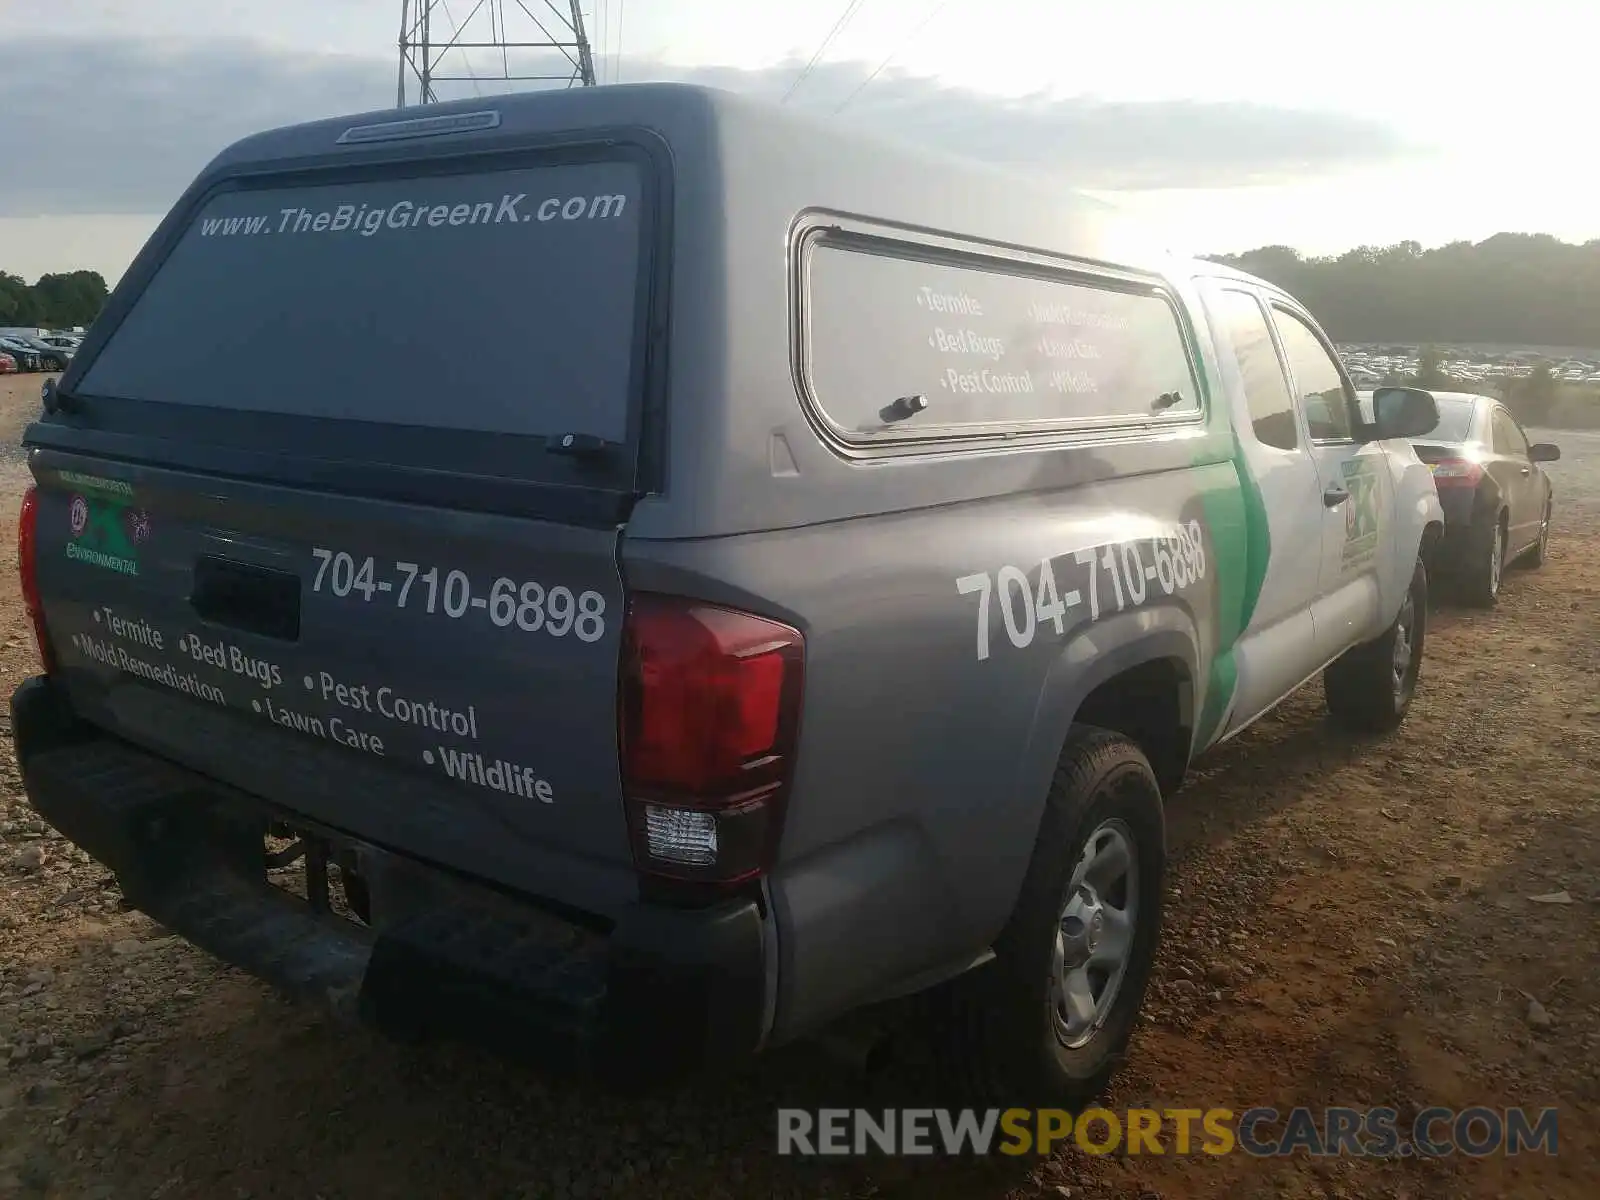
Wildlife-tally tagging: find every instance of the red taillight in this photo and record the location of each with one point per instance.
(1456, 472)
(710, 708)
(28, 570)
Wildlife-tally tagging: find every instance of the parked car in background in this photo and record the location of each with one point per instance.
(51, 358)
(8, 365)
(1496, 497)
(27, 358)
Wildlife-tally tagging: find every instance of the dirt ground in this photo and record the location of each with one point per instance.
(1350, 924)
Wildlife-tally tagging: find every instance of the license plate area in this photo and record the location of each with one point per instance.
(246, 597)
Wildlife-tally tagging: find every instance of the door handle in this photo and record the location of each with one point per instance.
(1527, 470)
(1335, 496)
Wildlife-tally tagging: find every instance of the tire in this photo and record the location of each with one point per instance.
(1485, 568)
(1006, 1040)
(1370, 687)
(1540, 554)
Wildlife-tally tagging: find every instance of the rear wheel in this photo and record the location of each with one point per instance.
(1541, 549)
(1370, 687)
(1048, 1021)
(1486, 564)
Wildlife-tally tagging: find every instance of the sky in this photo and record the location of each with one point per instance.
(1227, 124)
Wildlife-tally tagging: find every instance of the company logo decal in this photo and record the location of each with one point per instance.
(1361, 518)
(107, 529)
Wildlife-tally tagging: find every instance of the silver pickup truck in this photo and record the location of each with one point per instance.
(700, 573)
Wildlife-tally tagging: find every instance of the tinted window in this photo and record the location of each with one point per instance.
(1508, 438)
(984, 345)
(1455, 421)
(1317, 380)
(499, 301)
(1266, 391)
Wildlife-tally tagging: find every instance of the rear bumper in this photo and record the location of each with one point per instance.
(658, 993)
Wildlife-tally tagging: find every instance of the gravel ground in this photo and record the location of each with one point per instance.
(1350, 923)
(19, 404)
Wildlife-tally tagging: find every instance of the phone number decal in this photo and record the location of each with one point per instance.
(1115, 577)
(526, 604)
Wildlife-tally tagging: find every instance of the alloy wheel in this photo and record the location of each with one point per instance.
(1095, 934)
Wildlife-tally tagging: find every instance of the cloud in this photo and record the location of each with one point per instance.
(102, 125)
(1098, 144)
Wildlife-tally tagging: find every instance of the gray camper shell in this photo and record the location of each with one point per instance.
(750, 404)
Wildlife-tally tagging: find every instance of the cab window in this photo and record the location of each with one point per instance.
(1508, 437)
(1266, 392)
(1318, 382)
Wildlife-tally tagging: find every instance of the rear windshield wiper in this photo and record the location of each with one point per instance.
(584, 446)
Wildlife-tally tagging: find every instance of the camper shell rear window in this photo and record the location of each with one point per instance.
(433, 304)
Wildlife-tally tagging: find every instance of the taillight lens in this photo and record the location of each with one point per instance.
(1456, 472)
(710, 709)
(28, 570)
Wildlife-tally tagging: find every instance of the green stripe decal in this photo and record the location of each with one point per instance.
(1241, 544)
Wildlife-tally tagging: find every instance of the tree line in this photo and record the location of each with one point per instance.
(1527, 289)
(53, 301)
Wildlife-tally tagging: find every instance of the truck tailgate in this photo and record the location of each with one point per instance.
(441, 682)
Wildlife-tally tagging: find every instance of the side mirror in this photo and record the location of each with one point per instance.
(1544, 452)
(1402, 412)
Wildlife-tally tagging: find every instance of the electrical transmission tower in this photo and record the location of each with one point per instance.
(497, 42)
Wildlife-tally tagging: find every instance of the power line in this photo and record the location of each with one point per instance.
(888, 58)
(498, 7)
(616, 70)
(845, 17)
(455, 36)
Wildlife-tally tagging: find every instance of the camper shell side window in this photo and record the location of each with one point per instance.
(912, 341)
